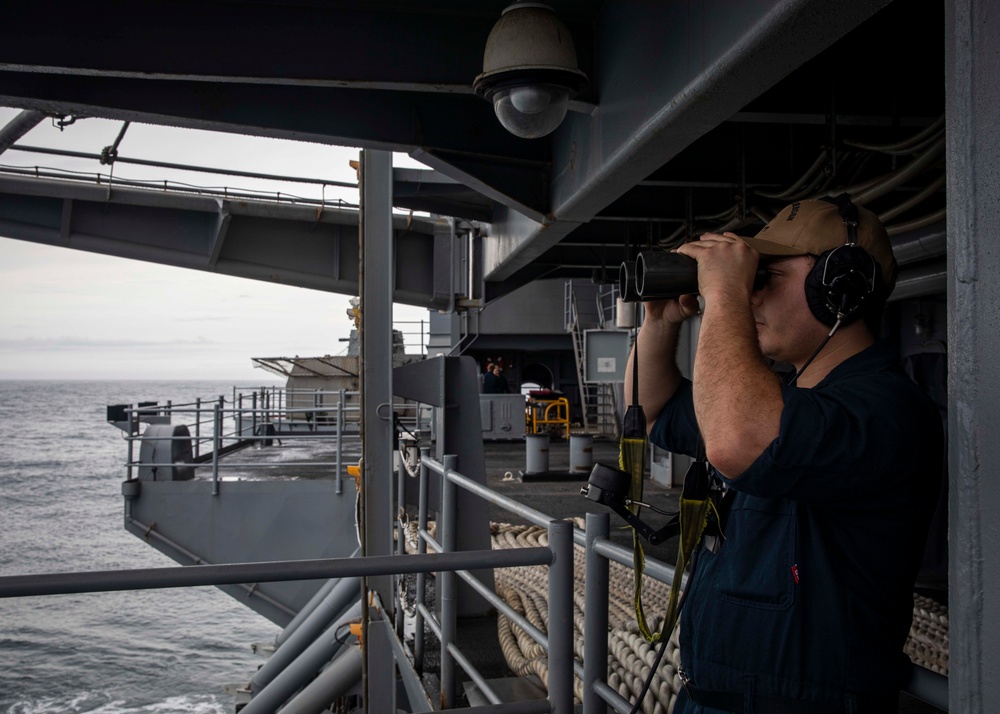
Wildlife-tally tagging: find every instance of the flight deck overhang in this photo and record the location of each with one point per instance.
(313, 247)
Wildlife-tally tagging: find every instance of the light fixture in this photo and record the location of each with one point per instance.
(529, 70)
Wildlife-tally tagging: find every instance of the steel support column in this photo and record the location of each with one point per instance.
(972, 102)
(376, 280)
(451, 385)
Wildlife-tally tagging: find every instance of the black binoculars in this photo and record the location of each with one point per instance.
(659, 275)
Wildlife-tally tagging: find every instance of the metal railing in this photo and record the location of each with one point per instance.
(258, 417)
(414, 330)
(558, 641)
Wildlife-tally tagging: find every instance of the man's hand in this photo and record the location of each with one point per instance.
(726, 265)
(737, 399)
(672, 311)
(657, 346)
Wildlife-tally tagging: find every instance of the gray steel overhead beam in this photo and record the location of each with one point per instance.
(18, 127)
(366, 45)
(317, 44)
(454, 129)
(519, 185)
(711, 59)
(293, 245)
(823, 119)
(515, 234)
(385, 120)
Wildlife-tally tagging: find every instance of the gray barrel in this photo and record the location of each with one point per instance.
(581, 453)
(624, 314)
(537, 453)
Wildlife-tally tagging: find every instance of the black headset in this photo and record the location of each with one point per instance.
(844, 277)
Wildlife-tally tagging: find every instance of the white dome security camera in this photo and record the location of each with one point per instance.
(529, 70)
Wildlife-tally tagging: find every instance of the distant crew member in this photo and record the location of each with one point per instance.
(494, 382)
(483, 378)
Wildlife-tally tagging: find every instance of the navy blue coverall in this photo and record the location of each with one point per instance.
(806, 603)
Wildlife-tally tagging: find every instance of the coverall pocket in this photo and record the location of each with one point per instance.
(756, 561)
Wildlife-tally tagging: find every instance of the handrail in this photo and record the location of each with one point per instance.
(562, 664)
(255, 416)
(183, 576)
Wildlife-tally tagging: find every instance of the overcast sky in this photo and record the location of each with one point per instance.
(67, 314)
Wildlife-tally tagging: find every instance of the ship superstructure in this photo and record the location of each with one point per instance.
(693, 117)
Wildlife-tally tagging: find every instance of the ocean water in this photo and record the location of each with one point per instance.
(159, 651)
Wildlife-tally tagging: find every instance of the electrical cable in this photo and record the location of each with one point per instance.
(629, 501)
(836, 326)
(109, 154)
(932, 188)
(336, 634)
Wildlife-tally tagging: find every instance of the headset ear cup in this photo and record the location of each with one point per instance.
(816, 293)
(840, 282)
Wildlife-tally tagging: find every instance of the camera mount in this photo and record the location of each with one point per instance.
(609, 486)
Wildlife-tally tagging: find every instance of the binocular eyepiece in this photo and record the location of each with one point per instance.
(659, 275)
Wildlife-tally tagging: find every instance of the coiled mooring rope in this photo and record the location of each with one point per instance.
(630, 656)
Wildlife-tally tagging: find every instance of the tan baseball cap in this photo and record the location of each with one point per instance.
(816, 226)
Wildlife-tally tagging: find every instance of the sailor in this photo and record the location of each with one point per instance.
(486, 377)
(494, 382)
(831, 474)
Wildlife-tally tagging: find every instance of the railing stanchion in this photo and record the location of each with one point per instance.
(216, 444)
(222, 418)
(418, 633)
(240, 416)
(340, 440)
(197, 427)
(400, 532)
(133, 432)
(595, 617)
(449, 584)
(561, 617)
(253, 421)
